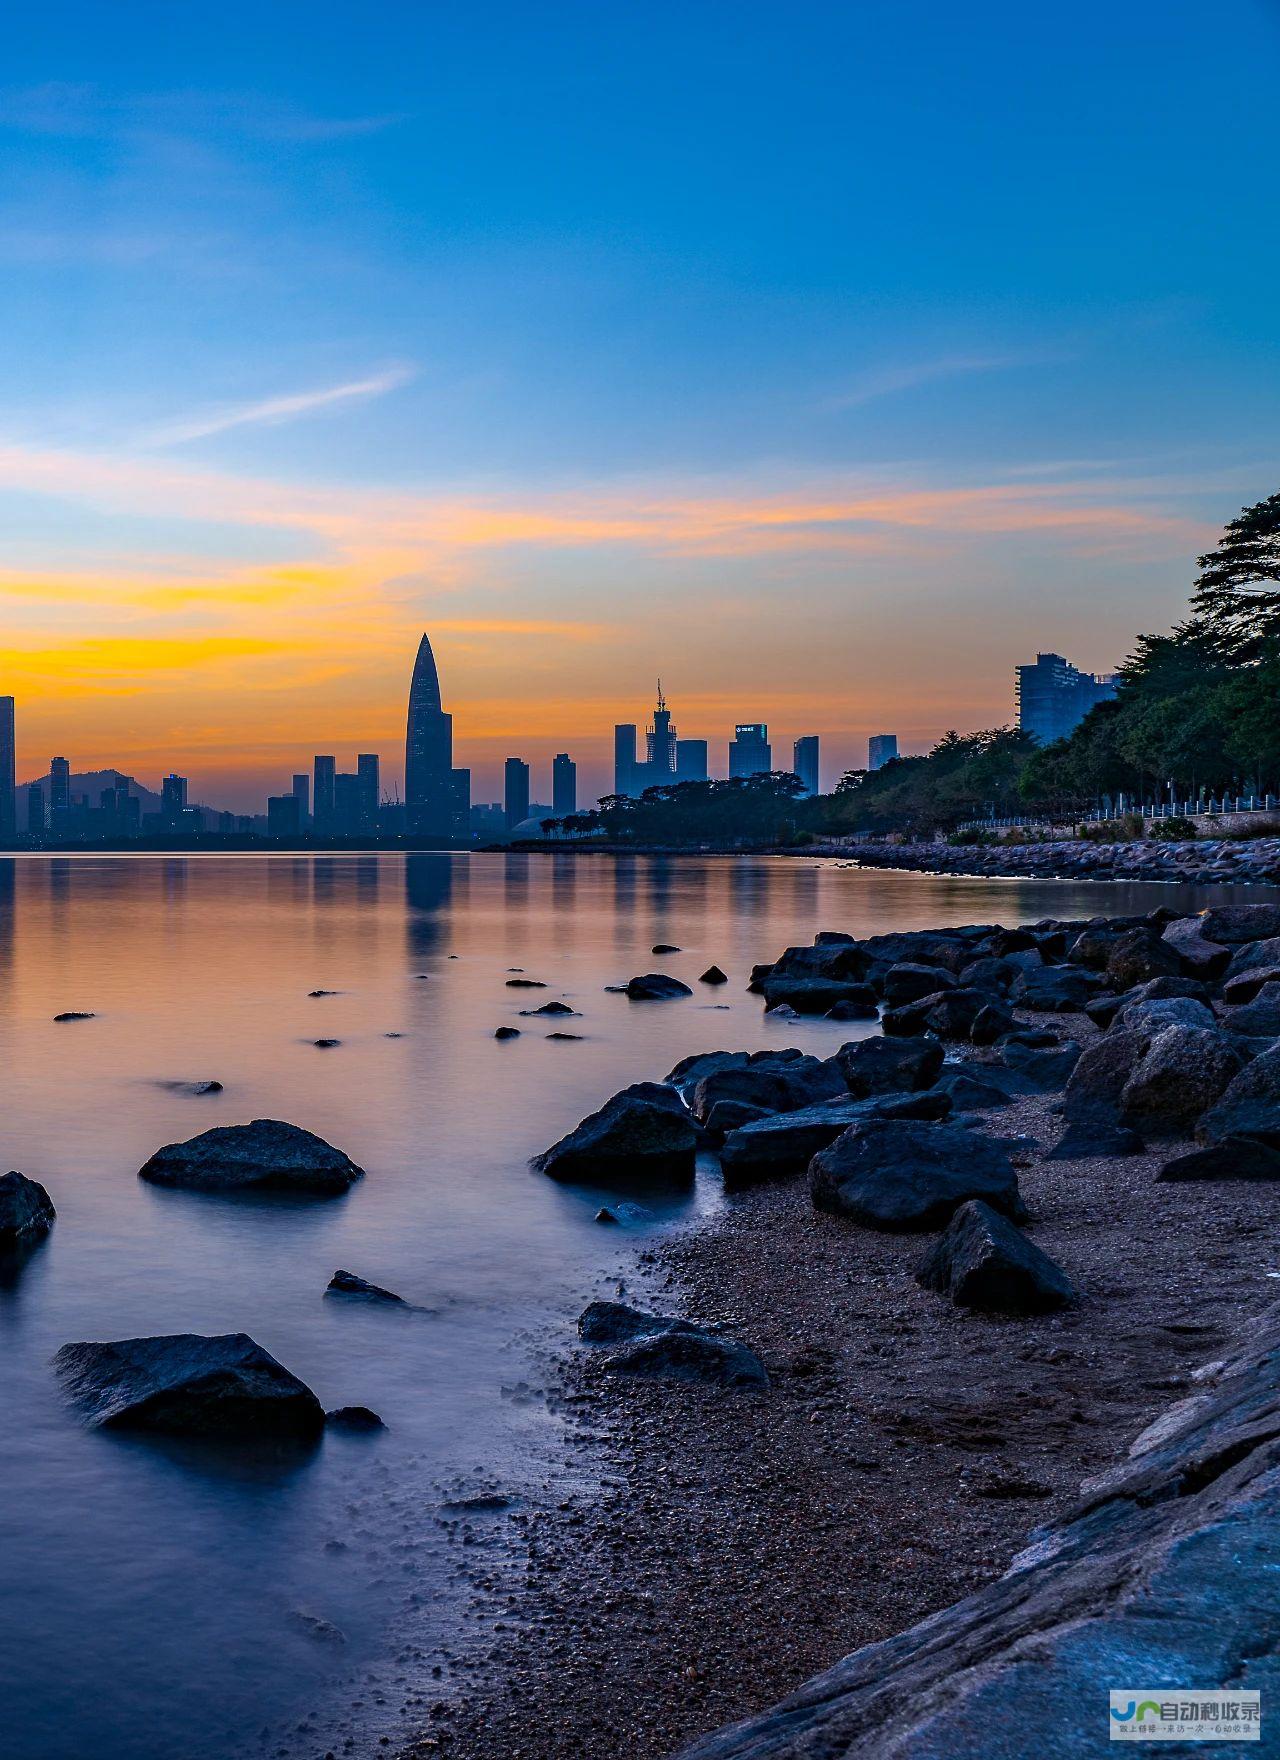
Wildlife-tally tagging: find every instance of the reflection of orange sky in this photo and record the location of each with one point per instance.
(842, 610)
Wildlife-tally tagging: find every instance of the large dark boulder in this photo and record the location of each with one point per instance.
(812, 993)
(1198, 956)
(1054, 990)
(656, 987)
(1232, 1158)
(1045, 1069)
(1232, 924)
(950, 1014)
(1243, 986)
(1251, 956)
(968, 1090)
(688, 1356)
(778, 1087)
(1138, 957)
(771, 1148)
(886, 1066)
(346, 1283)
(26, 1211)
(1088, 1139)
(1098, 1080)
(908, 983)
(690, 1070)
(923, 947)
(1165, 1011)
(894, 1174)
(1135, 1585)
(628, 1141)
(266, 1155)
(1250, 1107)
(991, 1023)
(731, 1115)
(616, 1323)
(189, 1385)
(1181, 1074)
(982, 1261)
(1257, 1019)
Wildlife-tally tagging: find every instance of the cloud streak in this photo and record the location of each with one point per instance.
(888, 380)
(273, 411)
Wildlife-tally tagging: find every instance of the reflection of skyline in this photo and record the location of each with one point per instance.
(428, 892)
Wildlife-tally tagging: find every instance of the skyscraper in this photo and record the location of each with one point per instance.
(564, 785)
(369, 790)
(624, 758)
(661, 745)
(460, 805)
(346, 804)
(173, 798)
(691, 760)
(428, 754)
(882, 749)
(35, 810)
(59, 789)
(301, 792)
(284, 815)
(324, 770)
(749, 750)
(8, 771)
(1053, 697)
(805, 762)
(516, 792)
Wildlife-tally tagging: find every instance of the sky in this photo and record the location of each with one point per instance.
(826, 360)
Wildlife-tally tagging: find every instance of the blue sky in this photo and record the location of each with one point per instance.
(461, 289)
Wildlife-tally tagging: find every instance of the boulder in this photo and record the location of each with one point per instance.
(628, 1141)
(713, 975)
(774, 1147)
(1244, 986)
(616, 1323)
(990, 973)
(1182, 1073)
(266, 1155)
(950, 1014)
(1170, 1011)
(1251, 955)
(690, 1070)
(1054, 990)
(525, 984)
(26, 1211)
(358, 1419)
(908, 983)
(1232, 924)
(778, 1087)
(991, 1023)
(983, 1262)
(924, 947)
(1232, 1158)
(507, 1033)
(1259, 1018)
(886, 1066)
(189, 1385)
(1198, 956)
(1139, 956)
(811, 993)
(346, 1283)
(967, 1091)
(664, 947)
(1250, 1107)
(1136, 1585)
(855, 1007)
(656, 987)
(1089, 1139)
(550, 1008)
(895, 1174)
(689, 1356)
(731, 1115)
(1043, 1069)
(76, 1014)
(1104, 1066)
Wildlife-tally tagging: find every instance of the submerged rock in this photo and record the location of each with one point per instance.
(656, 987)
(189, 1385)
(982, 1261)
(628, 1141)
(356, 1418)
(525, 984)
(193, 1088)
(664, 947)
(550, 1008)
(267, 1154)
(613, 1322)
(689, 1356)
(507, 1033)
(26, 1211)
(895, 1174)
(76, 1014)
(785, 1143)
(713, 975)
(346, 1283)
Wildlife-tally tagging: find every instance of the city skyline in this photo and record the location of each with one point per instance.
(481, 333)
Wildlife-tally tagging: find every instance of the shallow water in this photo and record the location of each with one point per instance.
(159, 1602)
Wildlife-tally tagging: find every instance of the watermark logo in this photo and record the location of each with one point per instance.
(1220, 1714)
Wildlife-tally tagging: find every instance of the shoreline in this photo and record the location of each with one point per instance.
(742, 1540)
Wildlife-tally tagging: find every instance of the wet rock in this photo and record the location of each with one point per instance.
(899, 1175)
(909, 983)
(690, 1070)
(1103, 1068)
(1259, 1018)
(324, 992)
(267, 1154)
(854, 1008)
(507, 1033)
(193, 1088)
(778, 1087)
(616, 1323)
(550, 1008)
(358, 1419)
(1087, 1139)
(1044, 1070)
(1233, 924)
(1171, 1011)
(689, 1356)
(713, 975)
(573, 1036)
(1232, 1158)
(1250, 1107)
(1244, 986)
(26, 1211)
(664, 947)
(1139, 956)
(628, 1141)
(886, 1066)
(731, 1115)
(991, 1023)
(525, 984)
(812, 993)
(968, 1092)
(1054, 990)
(189, 1385)
(607, 1216)
(346, 1283)
(774, 1147)
(656, 987)
(325, 1044)
(983, 1262)
(76, 1014)
(1198, 956)
(1182, 1073)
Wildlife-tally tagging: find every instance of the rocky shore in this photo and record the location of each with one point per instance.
(1204, 861)
(962, 1267)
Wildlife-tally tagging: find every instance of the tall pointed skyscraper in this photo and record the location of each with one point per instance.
(428, 758)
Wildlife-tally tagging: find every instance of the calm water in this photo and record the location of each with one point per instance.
(162, 1604)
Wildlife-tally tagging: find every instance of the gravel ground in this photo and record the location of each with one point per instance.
(721, 1546)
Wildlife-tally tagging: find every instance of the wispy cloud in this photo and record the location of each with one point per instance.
(272, 411)
(80, 110)
(887, 380)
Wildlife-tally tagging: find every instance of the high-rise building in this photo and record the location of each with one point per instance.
(284, 815)
(428, 753)
(624, 758)
(35, 810)
(8, 771)
(346, 804)
(691, 760)
(1053, 697)
(324, 769)
(882, 749)
(460, 805)
(370, 792)
(660, 745)
(173, 798)
(804, 762)
(564, 785)
(59, 789)
(749, 750)
(515, 792)
(302, 794)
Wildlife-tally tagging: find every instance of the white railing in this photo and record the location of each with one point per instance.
(1213, 807)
